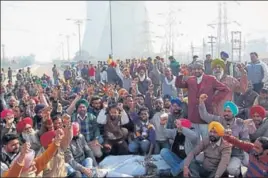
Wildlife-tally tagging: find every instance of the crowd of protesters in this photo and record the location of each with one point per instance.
(205, 119)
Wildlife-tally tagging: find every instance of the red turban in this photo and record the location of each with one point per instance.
(6, 112)
(113, 64)
(21, 125)
(47, 138)
(257, 109)
(76, 128)
(186, 123)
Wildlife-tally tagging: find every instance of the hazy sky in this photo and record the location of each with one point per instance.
(34, 27)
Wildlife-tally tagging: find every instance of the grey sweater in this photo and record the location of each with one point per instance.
(238, 128)
(77, 152)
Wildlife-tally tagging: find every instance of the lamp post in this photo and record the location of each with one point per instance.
(78, 22)
(111, 27)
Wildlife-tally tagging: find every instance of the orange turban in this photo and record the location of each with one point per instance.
(217, 127)
(47, 138)
(21, 125)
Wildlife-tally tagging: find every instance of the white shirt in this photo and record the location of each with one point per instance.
(199, 79)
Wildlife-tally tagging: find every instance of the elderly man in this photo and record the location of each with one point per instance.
(28, 134)
(217, 154)
(197, 85)
(229, 121)
(234, 85)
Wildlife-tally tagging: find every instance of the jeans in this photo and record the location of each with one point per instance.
(160, 145)
(257, 87)
(234, 166)
(136, 145)
(173, 161)
(87, 163)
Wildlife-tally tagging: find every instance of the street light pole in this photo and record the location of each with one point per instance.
(3, 50)
(68, 47)
(79, 36)
(78, 22)
(111, 27)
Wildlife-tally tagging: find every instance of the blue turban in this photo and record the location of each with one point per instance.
(38, 108)
(224, 54)
(176, 101)
(231, 106)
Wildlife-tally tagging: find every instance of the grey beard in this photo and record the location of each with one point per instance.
(32, 137)
(219, 75)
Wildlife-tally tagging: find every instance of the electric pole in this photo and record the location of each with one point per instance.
(212, 42)
(68, 47)
(4, 51)
(62, 50)
(192, 49)
(236, 45)
(111, 26)
(78, 22)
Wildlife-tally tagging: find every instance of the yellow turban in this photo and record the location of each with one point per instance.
(217, 127)
(109, 61)
(216, 62)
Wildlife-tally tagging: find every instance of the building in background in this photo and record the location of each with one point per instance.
(129, 31)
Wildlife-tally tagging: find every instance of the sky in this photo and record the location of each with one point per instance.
(40, 27)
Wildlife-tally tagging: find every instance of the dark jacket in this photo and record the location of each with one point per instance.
(77, 152)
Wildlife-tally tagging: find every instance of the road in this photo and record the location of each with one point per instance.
(38, 70)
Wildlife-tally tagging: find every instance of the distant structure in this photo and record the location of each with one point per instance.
(129, 36)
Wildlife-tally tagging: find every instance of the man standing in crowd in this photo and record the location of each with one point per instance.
(257, 72)
(197, 85)
(234, 85)
(207, 63)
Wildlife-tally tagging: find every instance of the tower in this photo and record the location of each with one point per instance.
(127, 28)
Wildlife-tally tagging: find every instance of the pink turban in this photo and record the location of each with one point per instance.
(6, 113)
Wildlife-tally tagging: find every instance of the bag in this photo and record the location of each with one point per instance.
(134, 165)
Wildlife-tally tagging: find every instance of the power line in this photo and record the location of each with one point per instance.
(212, 42)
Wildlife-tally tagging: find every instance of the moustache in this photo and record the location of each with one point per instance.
(213, 139)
